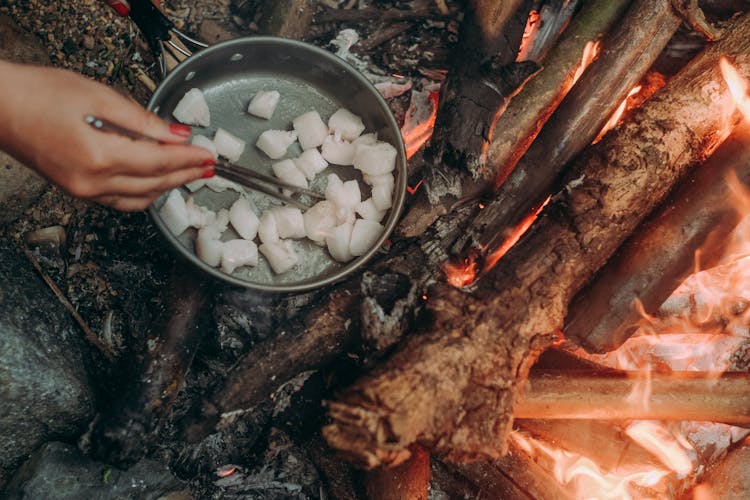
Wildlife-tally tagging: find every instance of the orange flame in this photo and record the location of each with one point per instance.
(615, 118)
(461, 274)
(420, 120)
(672, 450)
(738, 86)
(584, 476)
(532, 25)
(590, 53)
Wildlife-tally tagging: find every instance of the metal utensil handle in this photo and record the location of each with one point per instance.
(107, 126)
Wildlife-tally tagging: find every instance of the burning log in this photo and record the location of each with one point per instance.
(517, 471)
(529, 110)
(452, 388)
(661, 254)
(122, 434)
(624, 59)
(605, 443)
(569, 394)
(730, 478)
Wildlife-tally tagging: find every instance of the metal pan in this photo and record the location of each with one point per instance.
(308, 78)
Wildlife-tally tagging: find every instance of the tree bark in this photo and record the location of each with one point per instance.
(662, 252)
(452, 388)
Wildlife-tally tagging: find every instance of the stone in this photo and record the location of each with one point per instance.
(19, 185)
(44, 387)
(59, 471)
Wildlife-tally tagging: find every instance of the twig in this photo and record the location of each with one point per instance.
(384, 35)
(90, 335)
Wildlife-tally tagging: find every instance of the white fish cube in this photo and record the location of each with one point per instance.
(382, 196)
(346, 123)
(220, 184)
(364, 235)
(379, 180)
(311, 130)
(238, 253)
(209, 250)
(367, 139)
(199, 216)
(228, 145)
(264, 103)
(193, 109)
(243, 218)
(338, 242)
(337, 151)
(343, 194)
(267, 231)
(311, 163)
(320, 220)
(174, 213)
(222, 220)
(374, 159)
(345, 214)
(204, 142)
(368, 210)
(280, 255)
(289, 222)
(287, 171)
(274, 143)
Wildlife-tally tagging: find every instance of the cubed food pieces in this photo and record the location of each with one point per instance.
(238, 253)
(343, 194)
(198, 216)
(204, 142)
(337, 150)
(311, 130)
(364, 235)
(382, 196)
(338, 242)
(311, 163)
(289, 222)
(243, 218)
(274, 143)
(174, 213)
(264, 103)
(280, 256)
(228, 145)
(319, 220)
(193, 109)
(374, 159)
(267, 231)
(346, 123)
(368, 210)
(287, 171)
(208, 249)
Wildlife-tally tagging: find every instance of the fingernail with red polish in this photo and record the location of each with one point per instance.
(121, 10)
(180, 130)
(209, 162)
(208, 173)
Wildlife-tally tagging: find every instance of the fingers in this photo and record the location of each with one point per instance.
(145, 186)
(140, 158)
(134, 117)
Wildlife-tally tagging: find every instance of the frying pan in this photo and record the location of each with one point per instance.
(308, 78)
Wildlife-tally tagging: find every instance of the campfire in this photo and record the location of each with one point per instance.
(562, 311)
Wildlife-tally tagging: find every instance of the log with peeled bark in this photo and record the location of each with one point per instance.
(452, 387)
(626, 55)
(528, 111)
(571, 394)
(699, 215)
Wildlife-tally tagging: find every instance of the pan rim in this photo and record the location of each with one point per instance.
(399, 194)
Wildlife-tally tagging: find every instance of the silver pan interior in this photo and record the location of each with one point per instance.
(308, 78)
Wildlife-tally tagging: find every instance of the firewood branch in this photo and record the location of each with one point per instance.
(452, 388)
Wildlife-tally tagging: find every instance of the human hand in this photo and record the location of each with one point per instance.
(42, 124)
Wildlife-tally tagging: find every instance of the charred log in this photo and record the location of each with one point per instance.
(661, 254)
(407, 481)
(530, 109)
(624, 59)
(452, 388)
